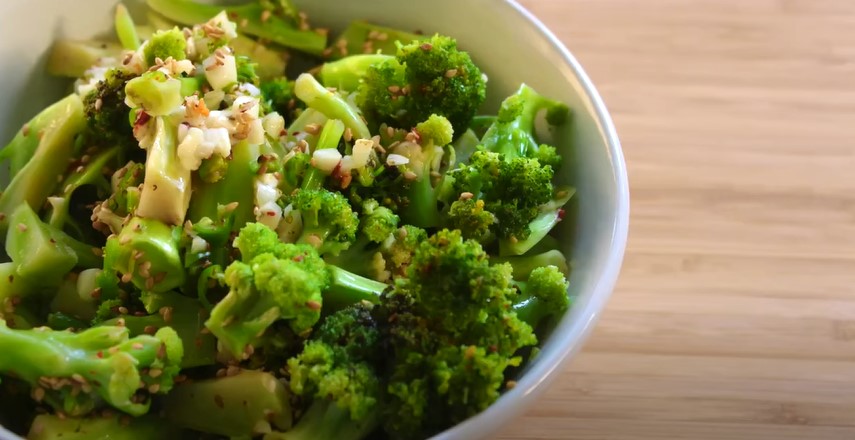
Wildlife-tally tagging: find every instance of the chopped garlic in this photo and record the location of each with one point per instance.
(394, 160)
(267, 212)
(273, 124)
(176, 68)
(198, 245)
(326, 160)
(199, 144)
(361, 152)
(246, 105)
(220, 70)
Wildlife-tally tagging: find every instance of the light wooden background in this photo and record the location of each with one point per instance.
(734, 317)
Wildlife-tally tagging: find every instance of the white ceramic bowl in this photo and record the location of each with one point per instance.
(509, 44)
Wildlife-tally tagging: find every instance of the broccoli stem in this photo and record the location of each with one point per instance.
(39, 155)
(361, 36)
(512, 134)
(523, 265)
(318, 97)
(465, 145)
(148, 252)
(422, 209)
(74, 298)
(346, 74)
(325, 420)
(238, 186)
(328, 139)
(43, 254)
(52, 427)
(125, 28)
(271, 62)
(249, 15)
(184, 315)
(100, 361)
(347, 288)
(166, 188)
(549, 216)
(251, 402)
(92, 174)
(71, 59)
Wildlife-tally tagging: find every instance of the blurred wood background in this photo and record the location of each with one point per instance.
(734, 317)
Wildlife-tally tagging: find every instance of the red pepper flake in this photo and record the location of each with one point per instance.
(560, 214)
(100, 355)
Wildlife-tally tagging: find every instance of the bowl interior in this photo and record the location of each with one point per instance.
(509, 45)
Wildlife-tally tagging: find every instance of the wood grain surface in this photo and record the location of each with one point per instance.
(734, 317)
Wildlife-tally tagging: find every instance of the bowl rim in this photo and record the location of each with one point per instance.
(534, 382)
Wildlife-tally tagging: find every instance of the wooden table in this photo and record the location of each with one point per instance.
(734, 317)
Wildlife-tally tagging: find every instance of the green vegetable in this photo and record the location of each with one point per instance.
(278, 27)
(78, 372)
(52, 427)
(362, 37)
(333, 106)
(125, 28)
(249, 402)
(72, 58)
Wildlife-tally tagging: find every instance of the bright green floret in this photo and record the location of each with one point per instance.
(336, 373)
(272, 281)
(329, 223)
(470, 217)
(78, 372)
(513, 132)
(426, 77)
(543, 296)
(165, 44)
(107, 114)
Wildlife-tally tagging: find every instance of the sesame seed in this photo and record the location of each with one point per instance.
(154, 388)
(265, 15)
(126, 278)
(313, 128)
(98, 252)
(451, 73)
(78, 170)
(38, 394)
(390, 131)
(121, 323)
(314, 305)
(382, 36)
(150, 330)
(98, 104)
(123, 310)
(426, 46)
(394, 88)
(25, 130)
(409, 175)
(22, 227)
(466, 195)
(96, 293)
(137, 346)
(78, 378)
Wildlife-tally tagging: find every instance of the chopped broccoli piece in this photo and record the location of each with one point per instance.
(333, 106)
(114, 427)
(165, 44)
(544, 295)
(125, 29)
(336, 372)
(426, 77)
(77, 371)
(249, 402)
(278, 27)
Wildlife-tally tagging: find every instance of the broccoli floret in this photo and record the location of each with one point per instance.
(513, 132)
(40, 155)
(399, 248)
(76, 372)
(376, 225)
(426, 77)
(328, 222)
(107, 115)
(278, 95)
(247, 403)
(165, 44)
(114, 427)
(472, 219)
(246, 70)
(336, 374)
(548, 215)
(272, 281)
(261, 19)
(425, 154)
(452, 336)
(543, 296)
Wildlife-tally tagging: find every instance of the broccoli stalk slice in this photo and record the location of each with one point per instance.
(51, 427)
(147, 253)
(328, 139)
(512, 134)
(271, 62)
(13, 290)
(324, 419)
(92, 174)
(347, 288)
(165, 195)
(72, 58)
(43, 254)
(76, 371)
(524, 265)
(361, 36)
(423, 195)
(184, 315)
(125, 29)
(549, 216)
(40, 154)
(273, 28)
(333, 106)
(347, 73)
(543, 296)
(75, 298)
(251, 402)
(236, 187)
